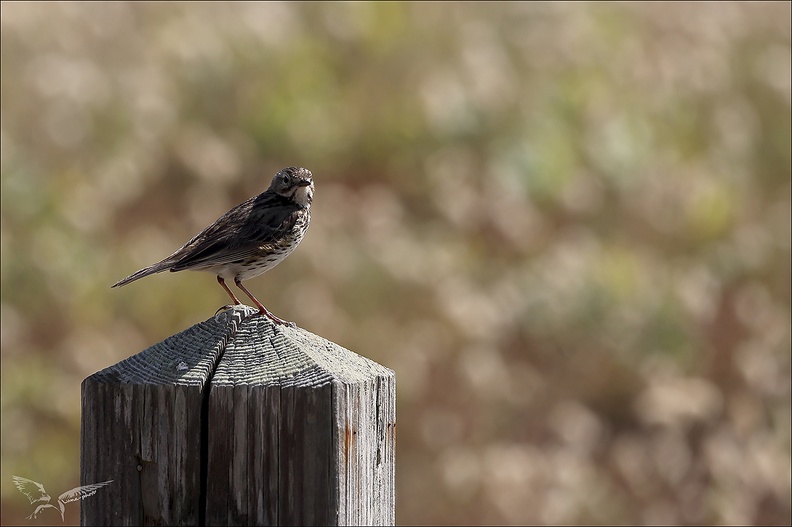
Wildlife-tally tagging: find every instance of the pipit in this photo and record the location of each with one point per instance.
(249, 239)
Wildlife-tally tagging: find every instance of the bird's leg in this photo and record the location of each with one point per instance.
(233, 297)
(262, 309)
(227, 290)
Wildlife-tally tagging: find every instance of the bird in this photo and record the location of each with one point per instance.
(36, 494)
(249, 239)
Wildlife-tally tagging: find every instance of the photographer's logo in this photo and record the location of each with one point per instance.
(37, 495)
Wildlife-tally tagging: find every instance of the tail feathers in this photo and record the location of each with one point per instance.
(151, 269)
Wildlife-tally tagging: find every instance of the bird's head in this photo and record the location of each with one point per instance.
(294, 183)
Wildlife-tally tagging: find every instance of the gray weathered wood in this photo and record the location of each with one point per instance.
(238, 421)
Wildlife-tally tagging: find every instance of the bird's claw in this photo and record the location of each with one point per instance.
(224, 308)
(279, 321)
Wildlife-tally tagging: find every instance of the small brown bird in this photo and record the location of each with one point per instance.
(249, 239)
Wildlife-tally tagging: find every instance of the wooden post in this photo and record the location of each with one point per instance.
(238, 421)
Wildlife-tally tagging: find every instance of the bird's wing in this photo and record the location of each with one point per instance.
(212, 254)
(218, 245)
(83, 492)
(34, 491)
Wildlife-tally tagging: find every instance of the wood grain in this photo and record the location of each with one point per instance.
(238, 421)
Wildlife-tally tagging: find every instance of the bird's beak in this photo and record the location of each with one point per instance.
(304, 183)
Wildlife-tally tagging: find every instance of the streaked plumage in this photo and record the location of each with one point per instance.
(249, 239)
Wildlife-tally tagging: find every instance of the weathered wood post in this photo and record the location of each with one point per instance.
(238, 421)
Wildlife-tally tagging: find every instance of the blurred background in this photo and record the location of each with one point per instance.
(565, 226)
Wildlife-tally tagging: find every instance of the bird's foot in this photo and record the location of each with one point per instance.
(225, 308)
(275, 319)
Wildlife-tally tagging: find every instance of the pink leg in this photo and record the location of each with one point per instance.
(262, 309)
(222, 283)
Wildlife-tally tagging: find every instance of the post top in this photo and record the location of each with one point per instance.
(236, 349)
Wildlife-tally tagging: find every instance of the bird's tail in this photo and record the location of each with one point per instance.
(151, 269)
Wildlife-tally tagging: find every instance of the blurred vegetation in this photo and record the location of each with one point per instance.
(565, 226)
